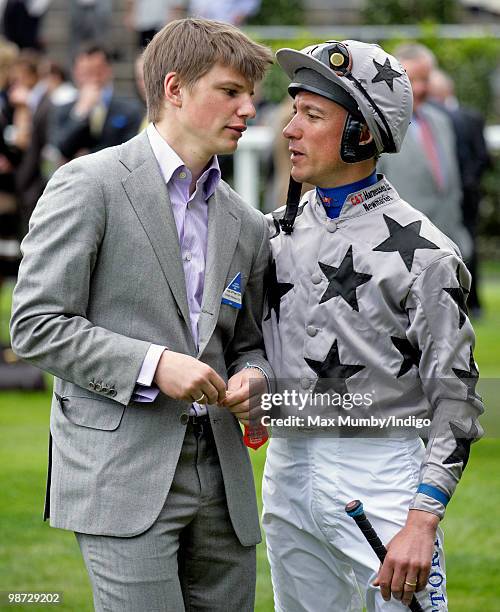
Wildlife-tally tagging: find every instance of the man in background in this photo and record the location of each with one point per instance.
(426, 172)
(473, 160)
(99, 117)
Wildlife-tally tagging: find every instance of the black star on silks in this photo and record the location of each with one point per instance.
(469, 377)
(405, 239)
(459, 295)
(463, 440)
(343, 280)
(386, 73)
(411, 355)
(275, 291)
(331, 373)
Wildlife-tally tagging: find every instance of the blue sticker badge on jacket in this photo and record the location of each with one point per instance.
(232, 293)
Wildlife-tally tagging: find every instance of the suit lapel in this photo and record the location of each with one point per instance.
(148, 195)
(223, 234)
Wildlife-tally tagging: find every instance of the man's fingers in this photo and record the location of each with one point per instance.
(397, 583)
(240, 411)
(186, 378)
(408, 561)
(422, 580)
(409, 589)
(210, 394)
(211, 386)
(384, 580)
(219, 385)
(233, 398)
(205, 393)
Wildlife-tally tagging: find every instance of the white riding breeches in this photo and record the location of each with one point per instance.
(320, 560)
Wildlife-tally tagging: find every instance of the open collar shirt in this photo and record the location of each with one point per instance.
(191, 220)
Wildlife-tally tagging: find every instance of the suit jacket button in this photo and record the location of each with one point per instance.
(98, 387)
(184, 418)
(105, 390)
(112, 392)
(91, 385)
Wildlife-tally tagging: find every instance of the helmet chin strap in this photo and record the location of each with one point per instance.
(292, 206)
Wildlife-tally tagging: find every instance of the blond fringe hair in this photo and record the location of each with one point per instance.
(190, 47)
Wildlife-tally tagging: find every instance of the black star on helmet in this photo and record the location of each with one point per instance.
(459, 295)
(411, 355)
(405, 239)
(343, 280)
(275, 291)
(386, 73)
(331, 373)
(463, 440)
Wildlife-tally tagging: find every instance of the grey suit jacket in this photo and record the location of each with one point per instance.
(411, 174)
(102, 279)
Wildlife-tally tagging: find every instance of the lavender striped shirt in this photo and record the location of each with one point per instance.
(191, 220)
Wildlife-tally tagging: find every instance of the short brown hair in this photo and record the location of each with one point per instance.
(190, 47)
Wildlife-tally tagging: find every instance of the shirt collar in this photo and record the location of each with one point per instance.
(333, 198)
(360, 202)
(171, 164)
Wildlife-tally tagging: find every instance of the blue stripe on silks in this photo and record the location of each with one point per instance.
(433, 492)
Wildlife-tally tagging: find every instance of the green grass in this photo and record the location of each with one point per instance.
(35, 557)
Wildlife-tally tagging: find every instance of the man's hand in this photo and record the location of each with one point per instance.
(409, 556)
(244, 391)
(88, 97)
(185, 378)
(18, 95)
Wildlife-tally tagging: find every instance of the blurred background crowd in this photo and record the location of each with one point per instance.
(71, 83)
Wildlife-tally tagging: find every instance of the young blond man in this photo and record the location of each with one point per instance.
(141, 291)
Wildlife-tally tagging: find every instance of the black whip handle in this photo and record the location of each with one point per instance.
(373, 540)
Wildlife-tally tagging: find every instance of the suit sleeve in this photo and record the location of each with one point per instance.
(72, 132)
(49, 325)
(247, 345)
(440, 328)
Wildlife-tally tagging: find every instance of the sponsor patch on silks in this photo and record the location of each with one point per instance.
(232, 293)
